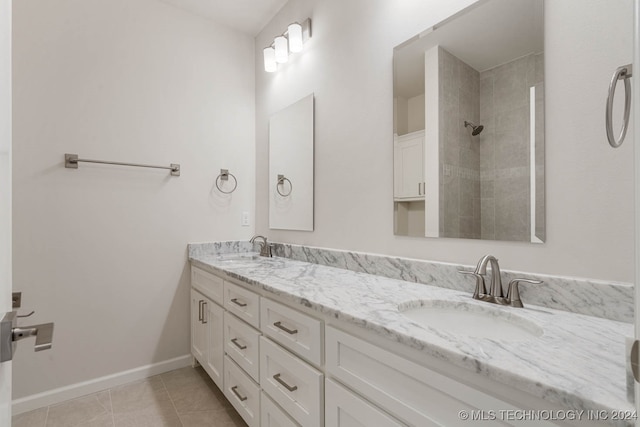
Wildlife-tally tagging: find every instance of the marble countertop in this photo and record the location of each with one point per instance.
(578, 362)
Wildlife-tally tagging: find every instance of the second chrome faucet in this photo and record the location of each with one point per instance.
(495, 294)
(265, 247)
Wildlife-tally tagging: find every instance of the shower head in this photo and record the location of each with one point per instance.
(475, 129)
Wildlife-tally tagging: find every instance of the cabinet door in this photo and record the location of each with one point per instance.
(198, 332)
(345, 409)
(213, 321)
(409, 166)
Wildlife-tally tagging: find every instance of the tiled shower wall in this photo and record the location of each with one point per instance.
(504, 149)
(485, 179)
(459, 151)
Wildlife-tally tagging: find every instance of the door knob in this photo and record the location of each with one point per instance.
(10, 333)
(42, 332)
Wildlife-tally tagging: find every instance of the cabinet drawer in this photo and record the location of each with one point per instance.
(207, 283)
(241, 343)
(243, 303)
(242, 392)
(296, 331)
(343, 408)
(272, 416)
(413, 393)
(296, 386)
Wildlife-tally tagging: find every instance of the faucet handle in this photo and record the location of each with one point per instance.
(480, 287)
(513, 292)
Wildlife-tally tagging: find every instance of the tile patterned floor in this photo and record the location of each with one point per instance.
(183, 398)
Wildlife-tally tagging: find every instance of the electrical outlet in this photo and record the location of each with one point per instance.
(245, 219)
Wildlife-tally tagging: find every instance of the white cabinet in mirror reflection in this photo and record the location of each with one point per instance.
(408, 154)
(291, 167)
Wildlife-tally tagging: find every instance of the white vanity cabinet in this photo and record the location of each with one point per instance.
(271, 415)
(242, 344)
(293, 330)
(408, 158)
(412, 393)
(280, 366)
(242, 392)
(291, 340)
(345, 409)
(207, 328)
(242, 349)
(198, 328)
(292, 383)
(225, 341)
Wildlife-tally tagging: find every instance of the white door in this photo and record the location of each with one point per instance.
(5, 196)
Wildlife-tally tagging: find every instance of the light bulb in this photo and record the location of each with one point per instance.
(295, 37)
(270, 64)
(282, 50)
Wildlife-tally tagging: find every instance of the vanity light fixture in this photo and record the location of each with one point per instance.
(282, 49)
(270, 64)
(295, 37)
(291, 41)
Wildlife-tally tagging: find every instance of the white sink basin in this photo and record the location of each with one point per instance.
(473, 320)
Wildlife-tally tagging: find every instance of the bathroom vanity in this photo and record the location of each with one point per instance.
(296, 343)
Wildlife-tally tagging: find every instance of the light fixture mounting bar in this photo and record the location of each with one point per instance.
(306, 30)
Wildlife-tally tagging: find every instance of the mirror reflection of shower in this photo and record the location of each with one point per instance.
(475, 130)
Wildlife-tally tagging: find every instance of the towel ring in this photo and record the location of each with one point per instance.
(281, 180)
(622, 73)
(224, 176)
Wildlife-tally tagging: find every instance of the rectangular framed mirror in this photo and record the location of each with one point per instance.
(469, 126)
(291, 167)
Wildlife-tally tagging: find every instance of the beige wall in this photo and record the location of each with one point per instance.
(102, 250)
(348, 65)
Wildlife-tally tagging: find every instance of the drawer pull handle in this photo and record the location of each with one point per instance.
(234, 389)
(236, 302)
(240, 346)
(204, 320)
(200, 310)
(284, 384)
(279, 325)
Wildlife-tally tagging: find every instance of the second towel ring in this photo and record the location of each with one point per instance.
(622, 73)
(224, 176)
(281, 180)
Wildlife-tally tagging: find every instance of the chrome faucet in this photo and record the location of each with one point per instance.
(496, 280)
(265, 247)
(496, 294)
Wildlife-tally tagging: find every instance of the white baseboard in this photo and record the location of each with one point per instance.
(73, 391)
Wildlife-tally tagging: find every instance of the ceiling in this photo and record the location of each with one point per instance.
(248, 16)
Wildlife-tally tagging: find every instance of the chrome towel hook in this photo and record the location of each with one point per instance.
(622, 73)
(224, 176)
(281, 180)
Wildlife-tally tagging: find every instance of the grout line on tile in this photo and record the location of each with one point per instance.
(171, 399)
(113, 418)
(46, 417)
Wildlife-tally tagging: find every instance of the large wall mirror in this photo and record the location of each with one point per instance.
(291, 167)
(469, 126)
